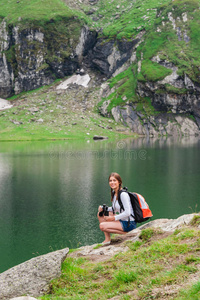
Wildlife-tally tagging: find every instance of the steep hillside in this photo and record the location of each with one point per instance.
(145, 54)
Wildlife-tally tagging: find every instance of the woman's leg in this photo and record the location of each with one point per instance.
(112, 227)
(107, 234)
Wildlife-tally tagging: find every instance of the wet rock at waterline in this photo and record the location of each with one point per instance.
(99, 137)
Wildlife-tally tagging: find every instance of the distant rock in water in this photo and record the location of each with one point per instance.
(98, 137)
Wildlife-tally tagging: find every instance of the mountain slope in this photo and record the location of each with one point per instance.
(146, 53)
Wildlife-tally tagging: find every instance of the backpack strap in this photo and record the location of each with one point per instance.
(120, 201)
(125, 189)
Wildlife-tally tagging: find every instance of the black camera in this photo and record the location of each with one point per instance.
(105, 211)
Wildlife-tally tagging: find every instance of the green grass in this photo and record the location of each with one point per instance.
(165, 42)
(144, 270)
(34, 10)
(60, 121)
(192, 293)
(152, 71)
(136, 16)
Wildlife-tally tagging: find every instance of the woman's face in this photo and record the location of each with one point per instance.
(114, 183)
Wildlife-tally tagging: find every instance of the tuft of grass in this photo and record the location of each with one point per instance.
(195, 221)
(146, 234)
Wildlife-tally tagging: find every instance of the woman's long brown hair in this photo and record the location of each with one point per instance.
(118, 177)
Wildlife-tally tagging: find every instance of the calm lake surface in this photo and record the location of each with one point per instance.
(50, 191)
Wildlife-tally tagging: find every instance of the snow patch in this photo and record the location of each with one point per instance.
(5, 104)
(75, 79)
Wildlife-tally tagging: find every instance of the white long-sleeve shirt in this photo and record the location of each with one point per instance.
(128, 210)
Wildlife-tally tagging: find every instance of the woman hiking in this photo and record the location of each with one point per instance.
(116, 223)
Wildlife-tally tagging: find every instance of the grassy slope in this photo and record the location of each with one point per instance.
(125, 20)
(156, 267)
(34, 10)
(62, 117)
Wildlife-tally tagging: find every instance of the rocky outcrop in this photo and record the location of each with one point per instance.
(175, 93)
(155, 125)
(33, 56)
(110, 55)
(32, 277)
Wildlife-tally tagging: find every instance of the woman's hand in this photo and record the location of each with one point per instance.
(109, 218)
(100, 209)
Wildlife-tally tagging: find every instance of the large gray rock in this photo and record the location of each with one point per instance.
(32, 277)
(109, 55)
(164, 124)
(170, 224)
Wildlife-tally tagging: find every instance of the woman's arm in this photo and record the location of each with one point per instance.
(127, 208)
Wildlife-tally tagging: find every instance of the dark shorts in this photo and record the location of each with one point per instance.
(128, 226)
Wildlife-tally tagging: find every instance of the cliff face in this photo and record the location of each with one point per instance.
(153, 70)
(33, 56)
(165, 98)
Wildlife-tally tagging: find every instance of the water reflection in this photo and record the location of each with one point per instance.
(50, 191)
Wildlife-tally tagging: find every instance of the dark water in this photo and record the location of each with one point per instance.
(50, 191)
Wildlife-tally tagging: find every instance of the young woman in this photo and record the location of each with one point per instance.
(122, 222)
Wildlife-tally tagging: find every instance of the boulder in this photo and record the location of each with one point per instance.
(32, 277)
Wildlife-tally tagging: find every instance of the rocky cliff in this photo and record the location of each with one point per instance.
(151, 71)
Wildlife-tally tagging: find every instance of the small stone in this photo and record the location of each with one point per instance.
(40, 121)
(33, 109)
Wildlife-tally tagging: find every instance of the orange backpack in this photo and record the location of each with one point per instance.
(140, 207)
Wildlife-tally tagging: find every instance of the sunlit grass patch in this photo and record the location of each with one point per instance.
(193, 293)
(35, 10)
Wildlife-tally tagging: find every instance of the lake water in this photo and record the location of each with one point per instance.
(50, 191)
